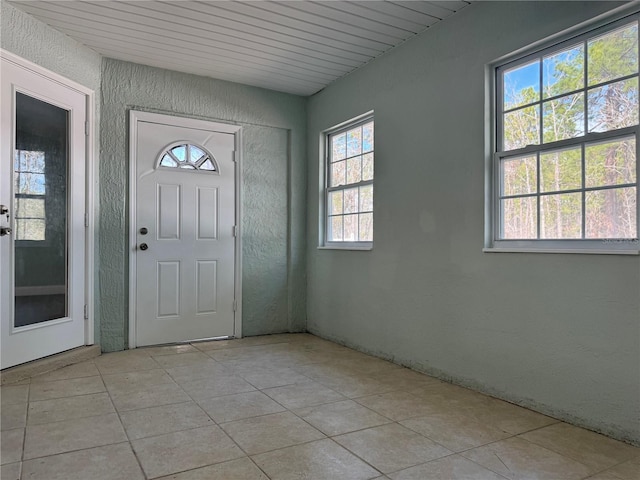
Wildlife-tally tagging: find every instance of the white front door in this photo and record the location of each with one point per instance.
(42, 198)
(183, 244)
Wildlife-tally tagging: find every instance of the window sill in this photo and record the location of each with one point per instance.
(363, 248)
(565, 250)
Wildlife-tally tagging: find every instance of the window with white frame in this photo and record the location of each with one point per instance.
(349, 185)
(30, 192)
(565, 169)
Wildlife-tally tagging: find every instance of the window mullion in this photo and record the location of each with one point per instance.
(584, 192)
(540, 104)
(585, 77)
(538, 216)
(499, 101)
(540, 142)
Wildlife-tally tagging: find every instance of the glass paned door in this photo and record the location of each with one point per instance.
(41, 160)
(43, 259)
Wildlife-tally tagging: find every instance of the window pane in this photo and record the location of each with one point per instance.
(41, 219)
(351, 164)
(29, 161)
(338, 147)
(366, 198)
(522, 128)
(563, 72)
(207, 165)
(611, 213)
(521, 85)
(563, 118)
(30, 229)
(367, 137)
(367, 166)
(354, 142)
(366, 227)
(519, 218)
(167, 161)
(610, 163)
(351, 200)
(613, 55)
(29, 208)
(350, 228)
(196, 153)
(519, 176)
(354, 173)
(335, 229)
(561, 170)
(30, 183)
(335, 203)
(613, 106)
(337, 174)
(180, 152)
(561, 216)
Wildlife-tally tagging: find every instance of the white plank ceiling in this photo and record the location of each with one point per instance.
(291, 46)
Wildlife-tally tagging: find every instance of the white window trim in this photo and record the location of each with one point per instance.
(492, 243)
(323, 243)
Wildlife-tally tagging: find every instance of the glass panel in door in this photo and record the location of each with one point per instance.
(41, 160)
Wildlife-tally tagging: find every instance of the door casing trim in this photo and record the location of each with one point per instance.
(90, 173)
(136, 116)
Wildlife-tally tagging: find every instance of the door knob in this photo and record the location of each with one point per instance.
(143, 246)
(4, 231)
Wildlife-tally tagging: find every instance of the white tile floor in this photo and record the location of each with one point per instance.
(281, 407)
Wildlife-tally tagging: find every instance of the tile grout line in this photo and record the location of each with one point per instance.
(564, 455)
(216, 424)
(26, 419)
(76, 450)
(225, 432)
(287, 410)
(135, 454)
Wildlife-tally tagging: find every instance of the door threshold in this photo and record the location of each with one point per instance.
(187, 342)
(48, 364)
(211, 339)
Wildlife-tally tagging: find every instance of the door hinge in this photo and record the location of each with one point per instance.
(86, 311)
(235, 305)
(234, 157)
(86, 220)
(86, 128)
(235, 230)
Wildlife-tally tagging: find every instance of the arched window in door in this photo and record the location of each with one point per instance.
(187, 156)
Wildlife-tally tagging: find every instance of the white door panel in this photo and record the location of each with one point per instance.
(185, 272)
(42, 183)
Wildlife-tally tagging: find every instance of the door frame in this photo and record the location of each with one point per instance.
(90, 175)
(136, 116)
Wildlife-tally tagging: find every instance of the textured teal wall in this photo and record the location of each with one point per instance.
(35, 41)
(274, 189)
(558, 333)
